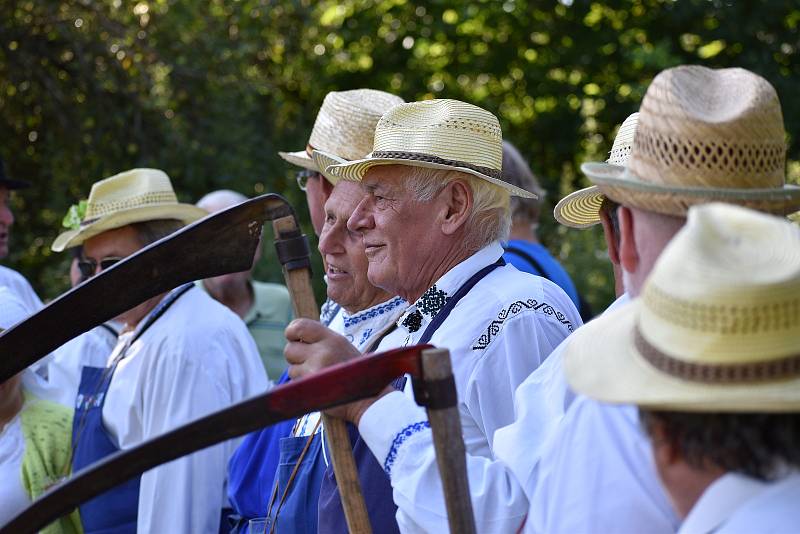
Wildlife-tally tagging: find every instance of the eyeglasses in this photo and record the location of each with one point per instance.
(303, 177)
(88, 268)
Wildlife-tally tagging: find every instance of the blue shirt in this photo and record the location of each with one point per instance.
(544, 261)
(252, 468)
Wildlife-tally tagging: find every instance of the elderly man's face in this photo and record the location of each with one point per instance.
(6, 220)
(318, 189)
(400, 232)
(343, 251)
(118, 243)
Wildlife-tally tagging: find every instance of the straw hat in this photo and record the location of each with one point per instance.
(133, 196)
(717, 327)
(581, 209)
(436, 134)
(704, 135)
(345, 126)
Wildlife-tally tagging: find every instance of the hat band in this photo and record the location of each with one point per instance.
(417, 156)
(729, 373)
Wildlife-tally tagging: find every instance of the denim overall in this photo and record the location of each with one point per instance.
(116, 510)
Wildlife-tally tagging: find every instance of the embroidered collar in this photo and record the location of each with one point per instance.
(361, 328)
(422, 312)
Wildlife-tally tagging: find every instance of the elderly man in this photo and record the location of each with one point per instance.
(434, 210)
(265, 308)
(8, 277)
(344, 129)
(615, 488)
(181, 355)
(708, 352)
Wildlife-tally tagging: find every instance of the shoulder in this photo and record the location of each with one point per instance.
(271, 298)
(270, 290)
(45, 420)
(197, 320)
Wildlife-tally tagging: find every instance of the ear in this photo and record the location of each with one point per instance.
(611, 239)
(457, 203)
(628, 252)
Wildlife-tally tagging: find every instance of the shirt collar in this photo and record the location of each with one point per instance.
(421, 313)
(361, 327)
(719, 501)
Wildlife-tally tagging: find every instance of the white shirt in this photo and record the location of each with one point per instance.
(197, 358)
(497, 335)
(771, 508)
(65, 364)
(13, 497)
(20, 286)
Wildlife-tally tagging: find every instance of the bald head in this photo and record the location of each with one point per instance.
(220, 200)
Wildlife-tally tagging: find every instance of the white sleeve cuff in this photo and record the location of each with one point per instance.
(387, 424)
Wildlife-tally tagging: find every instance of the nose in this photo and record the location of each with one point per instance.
(361, 219)
(330, 239)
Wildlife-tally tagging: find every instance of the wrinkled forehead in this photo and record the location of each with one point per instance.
(393, 177)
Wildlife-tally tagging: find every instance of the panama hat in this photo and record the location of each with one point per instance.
(703, 135)
(133, 196)
(345, 126)
(436, 134)
(717, 327)
(581, 209)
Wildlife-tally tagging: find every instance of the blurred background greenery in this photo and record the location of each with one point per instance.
(210, 91)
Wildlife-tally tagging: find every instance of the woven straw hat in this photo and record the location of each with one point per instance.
(345, 126)
(133, 196)
(436, 134)
(717, 327)
(704, 135)
(581, 209)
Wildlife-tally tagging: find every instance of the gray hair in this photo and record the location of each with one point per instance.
(490, 219)
(151, 231)
(219, 200)
(516, 171)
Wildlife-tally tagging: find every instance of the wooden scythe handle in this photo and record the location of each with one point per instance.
(448, 440)
(344, 467)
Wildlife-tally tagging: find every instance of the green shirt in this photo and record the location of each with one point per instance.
(266, 320)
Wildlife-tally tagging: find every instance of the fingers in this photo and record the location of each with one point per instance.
(306, 330)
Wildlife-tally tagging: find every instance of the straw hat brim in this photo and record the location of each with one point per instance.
(355, 170)
(301, 159)
(601, 361)
(323, 160)
(186, 213)
(622, 186)
(580, 209)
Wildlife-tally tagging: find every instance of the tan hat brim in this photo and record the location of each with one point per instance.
(301, 159)
(624, 187)
(355, 170)
(580, 209)
(601, 361)
(323, 160)
(186, 213)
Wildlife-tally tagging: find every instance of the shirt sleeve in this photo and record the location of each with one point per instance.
(398, 433)
(185, 495)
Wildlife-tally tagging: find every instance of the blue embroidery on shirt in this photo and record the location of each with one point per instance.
(372, 312)
(365, 336)
(399, 439)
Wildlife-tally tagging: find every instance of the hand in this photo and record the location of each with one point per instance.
(313, 346)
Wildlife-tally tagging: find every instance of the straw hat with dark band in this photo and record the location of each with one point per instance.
(133, 196)
(344, 126)
(581, 209)
(704, 135)
(717, 327)
(436, 134)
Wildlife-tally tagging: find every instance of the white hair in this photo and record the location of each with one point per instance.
(490, 218)
(219, 200)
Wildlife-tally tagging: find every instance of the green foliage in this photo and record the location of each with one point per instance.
(210, 91)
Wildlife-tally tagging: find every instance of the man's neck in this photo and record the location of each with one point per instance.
(445, 263)
(239, 298)
(380, 298)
